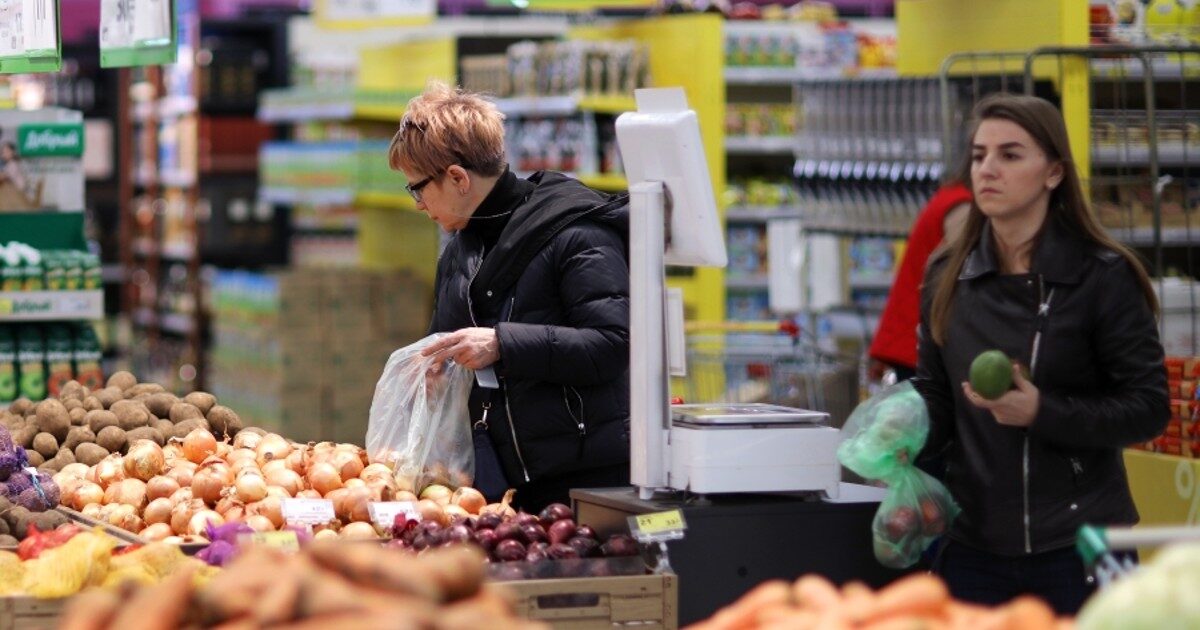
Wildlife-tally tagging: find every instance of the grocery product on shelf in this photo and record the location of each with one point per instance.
(560, 68)
(1182, 435)
(916, 601)
(25, 268)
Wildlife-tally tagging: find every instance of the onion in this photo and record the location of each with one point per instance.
(144, 460)
(453, 511)
(207, 485)
(242, 454)
(196, 524)
(67, 488)
(439, 493)
(223, 450)
(182, 495)
(468, 499)
(375, 471)
(353, 506)
(259, 523)
(243, 466)
(155, 532)
(76, 470)
(235, 513)
(354, 483)
(348, 464)
(276, 491)
(404, 495)
(308, 494)
(87, 494)
(501, 509)
(158, 511)
(272, 447)
(250, 488)
(115, 514)
(109, 470)
(324, 478)
(325, 533)
(336, 496)
(173, 451)
(297, 460)
(161, 486)
(198, 445)
(92, 510)
(286, 479)
(181, 470)
(127, 492)
(358, 531)
(323, 448)
(246, 439)
(270, 507)
(275, 465)
(432, 512)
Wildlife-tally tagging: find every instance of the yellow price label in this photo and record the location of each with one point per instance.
(286, 541)
(660, 522)
(6, 306)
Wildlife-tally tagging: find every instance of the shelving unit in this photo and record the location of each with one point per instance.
(51, 306)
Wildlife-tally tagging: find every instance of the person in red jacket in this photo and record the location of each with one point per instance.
(895, 343)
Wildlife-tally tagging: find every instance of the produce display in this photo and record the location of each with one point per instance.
(328, 585)
(1159, 594)
(68, 560)
(916, 601)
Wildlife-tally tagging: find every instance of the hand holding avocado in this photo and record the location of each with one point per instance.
(1002, 386)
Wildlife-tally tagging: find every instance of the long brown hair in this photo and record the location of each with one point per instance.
(1068, 206)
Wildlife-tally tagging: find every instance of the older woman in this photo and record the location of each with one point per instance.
(533, 286)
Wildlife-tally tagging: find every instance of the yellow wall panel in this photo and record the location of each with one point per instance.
(407, 66)
(398, 239)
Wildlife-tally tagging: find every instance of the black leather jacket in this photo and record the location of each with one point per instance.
(1099, 370)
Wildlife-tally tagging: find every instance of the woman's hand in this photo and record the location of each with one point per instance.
(1016, 408)
(473, 348)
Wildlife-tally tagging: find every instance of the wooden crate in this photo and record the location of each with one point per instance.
(30, 613)
(650, 602)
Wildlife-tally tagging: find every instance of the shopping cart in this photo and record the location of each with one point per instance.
(766, 362)
(1096, 545)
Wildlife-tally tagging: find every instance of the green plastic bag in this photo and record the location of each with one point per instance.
(881, 439)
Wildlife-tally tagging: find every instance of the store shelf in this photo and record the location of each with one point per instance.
(177, 252)
(299, 105)
(49, 306)
(314, 196)
(326, 224)
(113, 273)
(1175, 154)
(761, 145)
(1163, 69)
(1145, 236)
(609, 183)
(837, 229)
(762, 75)
(565, 105)
(761, 214)
(386, 200)
(757, 281)
(177, 178)
(871, 283)
(175, 323)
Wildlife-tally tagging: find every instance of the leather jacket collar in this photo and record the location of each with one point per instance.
(1058, 255)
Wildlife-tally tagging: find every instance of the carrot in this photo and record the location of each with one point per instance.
(833, 619)
(741, 614)
(773, 612)
(1064, 623)
(905, 623)
(1029, 613)
(92, 610)
(158, 608)
(280, 603)
(392, 620)
(964, 615)
(918, 594)
(815, 592)
(457, 570)
(858, 600)
(797, 620)
(368, 566)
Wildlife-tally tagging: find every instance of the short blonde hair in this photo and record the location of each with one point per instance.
(445, 126)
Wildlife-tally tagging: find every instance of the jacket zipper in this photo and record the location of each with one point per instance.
(571, 412)
(1043, 312)
(503, 386)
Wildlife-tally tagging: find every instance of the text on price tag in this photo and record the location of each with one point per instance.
(307, 511)
(286, 541)
(384, 513)
(663, 525)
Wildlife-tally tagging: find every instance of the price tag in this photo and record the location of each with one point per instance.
(658, 526)
(307, 511)
(286, 540)
(384, 513)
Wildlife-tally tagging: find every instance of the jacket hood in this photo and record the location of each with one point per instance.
(555, 202)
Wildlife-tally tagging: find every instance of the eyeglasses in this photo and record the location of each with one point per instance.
(415, 189)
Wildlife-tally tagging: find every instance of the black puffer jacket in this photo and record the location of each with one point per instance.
(556, 288)
(1099, 370)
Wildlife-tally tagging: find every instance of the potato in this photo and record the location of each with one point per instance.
(204, 401)
(77, 436)
(90, 454)
(224, 421)
(122, 380)
(131, 415)
(77, 415)
(8, 541)
(46, 521)
(45, 444)
(72, 403)
(160, 404)
(91, 403)
(72, 390)
(53, 418)
(112, 439)
(184, 411)
(145, 433)
(66, 454)
(20, 406)
(24, 436)
(35, 458)
(165, 427)
(98, 420)
(144, 388)
(4, 529)
(187, 426)
(110, 395)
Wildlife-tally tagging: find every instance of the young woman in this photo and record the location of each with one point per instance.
(534, 284)
(1034, 275)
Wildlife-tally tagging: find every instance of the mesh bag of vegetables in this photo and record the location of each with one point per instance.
(419, 423)
(881, 439)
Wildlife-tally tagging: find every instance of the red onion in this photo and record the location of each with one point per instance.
(561, 531)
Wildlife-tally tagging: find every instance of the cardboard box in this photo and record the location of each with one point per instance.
(642, 601)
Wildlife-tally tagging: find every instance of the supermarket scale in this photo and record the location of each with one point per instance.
(706, 448)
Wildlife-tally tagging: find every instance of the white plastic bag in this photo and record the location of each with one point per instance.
(420, 425)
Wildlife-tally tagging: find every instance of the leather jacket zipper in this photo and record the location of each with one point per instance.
(1043, 312)
(579, 424)
(512, 427)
